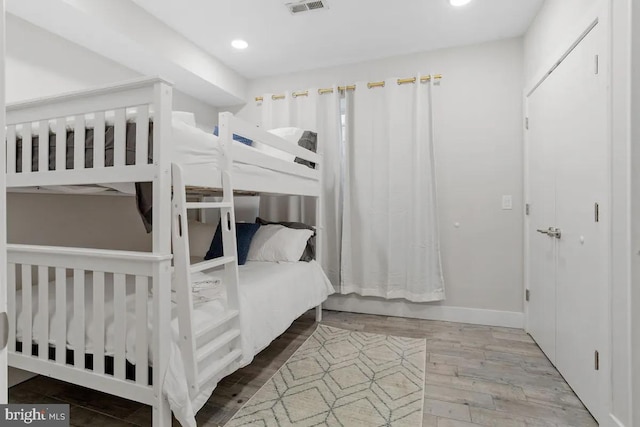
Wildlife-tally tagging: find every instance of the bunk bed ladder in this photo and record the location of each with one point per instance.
(208, 352)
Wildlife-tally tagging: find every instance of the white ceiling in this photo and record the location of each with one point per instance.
(349, 31)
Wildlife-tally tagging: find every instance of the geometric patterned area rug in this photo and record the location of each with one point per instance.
(343, 378)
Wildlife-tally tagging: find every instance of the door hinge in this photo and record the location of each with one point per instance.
(527, 295)
(597, 212)
(527, 209)
(597, 360)
(526, 123)
(597, 63)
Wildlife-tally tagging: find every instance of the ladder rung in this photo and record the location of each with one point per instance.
(216, 368)
(212, 263)
(231, 314)
(216, 344)
(208, 205)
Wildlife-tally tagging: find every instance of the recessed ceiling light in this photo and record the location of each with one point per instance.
(240, 44)
(459, 3)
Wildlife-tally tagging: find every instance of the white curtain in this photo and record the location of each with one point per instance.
(318, 113)
(390, 244)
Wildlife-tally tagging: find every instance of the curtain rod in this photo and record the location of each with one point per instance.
(370, 85)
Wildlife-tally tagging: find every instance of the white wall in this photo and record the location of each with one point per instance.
(478, 119)
(106, 222)
(124, 32)
(3, 259)
(557, 25)
(634, 314)
(39, 63)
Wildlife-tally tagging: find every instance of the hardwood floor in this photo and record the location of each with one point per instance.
(476, 376)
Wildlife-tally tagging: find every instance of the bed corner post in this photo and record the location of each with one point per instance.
(162, 103)
(162, 180)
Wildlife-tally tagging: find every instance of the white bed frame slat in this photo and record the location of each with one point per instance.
(107, 98)
(256, 158)
(27, 148)
(120, 331)
(79, 142)
(243, 128)
(79, 312)
(142, 135)
(73, 177)
(61, 145)
(124, 262)
(11, 304)
(43, 146)
(161, 415)
(11, 149)
(61, 311)
(142, 353)
(43, 308)
(119, 137)
(98, 140)
(27, 312)
(98, 320)
(85, 378)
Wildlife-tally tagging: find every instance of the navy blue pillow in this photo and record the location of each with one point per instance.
(244, 235)
(242, 139)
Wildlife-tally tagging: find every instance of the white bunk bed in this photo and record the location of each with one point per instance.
(118, 342)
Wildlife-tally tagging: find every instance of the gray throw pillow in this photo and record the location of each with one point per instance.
(310, 250)
(308, 140)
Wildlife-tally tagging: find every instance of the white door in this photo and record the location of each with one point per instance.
(3, 222)
(581, 185)
(542, 215)
(568, 184)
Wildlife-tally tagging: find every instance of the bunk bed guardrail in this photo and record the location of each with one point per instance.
(44, 117)
(40, 280)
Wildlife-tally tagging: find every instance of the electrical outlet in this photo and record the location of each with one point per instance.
(507, 202)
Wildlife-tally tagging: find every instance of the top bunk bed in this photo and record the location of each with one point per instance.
(126, 133)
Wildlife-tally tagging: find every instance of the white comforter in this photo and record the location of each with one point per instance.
(272, 296)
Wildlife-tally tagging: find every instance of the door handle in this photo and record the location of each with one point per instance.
(4, 330)
(551, 232)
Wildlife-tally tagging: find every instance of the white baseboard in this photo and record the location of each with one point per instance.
(17, 376)
(427, 311)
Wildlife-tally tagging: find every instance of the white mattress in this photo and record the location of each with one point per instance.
(272, 296)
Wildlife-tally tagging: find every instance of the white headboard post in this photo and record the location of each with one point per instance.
(162, 134)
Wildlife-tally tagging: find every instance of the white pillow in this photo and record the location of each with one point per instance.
(185, 117)
(290, 134)
(277, 243)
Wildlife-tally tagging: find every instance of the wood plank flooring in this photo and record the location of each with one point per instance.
(476, 376)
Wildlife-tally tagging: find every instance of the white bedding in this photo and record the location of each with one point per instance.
(189, 146)
(272, 296)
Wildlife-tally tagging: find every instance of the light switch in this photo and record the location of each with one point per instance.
(507, 202)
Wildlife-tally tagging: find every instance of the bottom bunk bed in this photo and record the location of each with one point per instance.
(293, 288)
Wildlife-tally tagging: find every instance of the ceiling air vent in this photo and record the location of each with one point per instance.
(306, 6)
